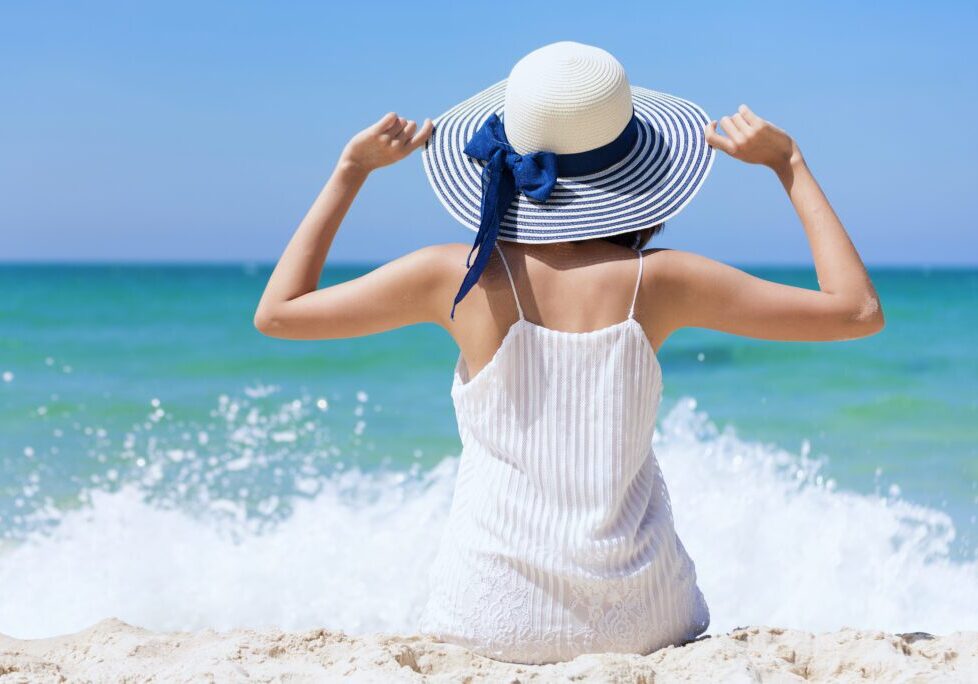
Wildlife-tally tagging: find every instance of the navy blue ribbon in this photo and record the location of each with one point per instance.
(507, 172)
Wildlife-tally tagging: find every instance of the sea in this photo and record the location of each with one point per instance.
(164, 463)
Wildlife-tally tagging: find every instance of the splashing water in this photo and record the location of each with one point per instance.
(254, 519)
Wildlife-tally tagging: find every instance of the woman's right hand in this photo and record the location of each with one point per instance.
(389, 140)
(753, 140)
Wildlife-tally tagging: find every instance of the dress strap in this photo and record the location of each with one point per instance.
(512, 284)
(638, 281)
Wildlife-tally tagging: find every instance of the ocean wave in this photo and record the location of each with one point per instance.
(192, 540)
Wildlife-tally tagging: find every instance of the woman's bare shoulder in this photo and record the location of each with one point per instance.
(443, 250)
(441, 258)
(441, 265)
(667, 266)
(681, 279)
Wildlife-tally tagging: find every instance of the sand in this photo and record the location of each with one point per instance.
(113, 651)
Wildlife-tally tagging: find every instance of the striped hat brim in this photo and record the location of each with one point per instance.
(654, 182)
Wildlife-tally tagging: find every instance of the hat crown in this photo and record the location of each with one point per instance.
(566, 98)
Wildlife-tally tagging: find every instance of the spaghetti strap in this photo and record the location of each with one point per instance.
(638, 281)
(512, 284)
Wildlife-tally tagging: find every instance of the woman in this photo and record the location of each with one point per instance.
(560, 539)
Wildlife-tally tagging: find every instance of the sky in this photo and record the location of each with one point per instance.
(202, 132)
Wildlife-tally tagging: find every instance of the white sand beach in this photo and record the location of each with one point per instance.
(113, 651)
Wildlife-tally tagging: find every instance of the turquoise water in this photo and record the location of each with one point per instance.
(136, 401)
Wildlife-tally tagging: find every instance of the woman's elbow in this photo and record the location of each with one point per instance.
(865, 319)
(267, 323)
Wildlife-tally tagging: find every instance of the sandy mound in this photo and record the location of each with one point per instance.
(113, 651)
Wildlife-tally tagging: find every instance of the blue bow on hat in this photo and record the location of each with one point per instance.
(506, 172)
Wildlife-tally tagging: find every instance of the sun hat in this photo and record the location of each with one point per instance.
(564, 149)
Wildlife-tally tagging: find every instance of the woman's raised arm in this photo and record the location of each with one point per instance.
(710, 294)
(396, 294)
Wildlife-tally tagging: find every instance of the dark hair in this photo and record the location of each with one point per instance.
(636, 239)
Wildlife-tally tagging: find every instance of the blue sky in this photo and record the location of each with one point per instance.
(202, 131)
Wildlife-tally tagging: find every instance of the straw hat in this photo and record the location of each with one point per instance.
(565, 149)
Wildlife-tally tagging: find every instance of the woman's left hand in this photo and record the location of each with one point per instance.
(389, 140)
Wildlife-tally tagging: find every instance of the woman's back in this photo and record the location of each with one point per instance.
(567, 287)
(560, 539)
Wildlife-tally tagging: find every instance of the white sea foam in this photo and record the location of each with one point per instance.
(773, 543)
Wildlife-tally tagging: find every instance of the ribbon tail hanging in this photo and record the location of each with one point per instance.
(498, 192)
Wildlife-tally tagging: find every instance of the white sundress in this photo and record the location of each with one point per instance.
(560, 538)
